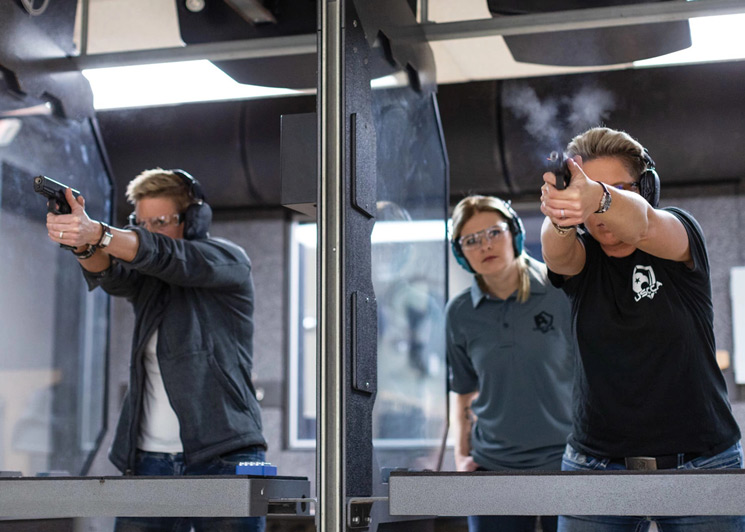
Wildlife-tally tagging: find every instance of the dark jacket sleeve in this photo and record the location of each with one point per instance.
(115, 280)
(207, 263)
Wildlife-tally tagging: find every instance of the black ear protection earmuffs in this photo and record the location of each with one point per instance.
(198, 215)
(515, 225)
(649, 182)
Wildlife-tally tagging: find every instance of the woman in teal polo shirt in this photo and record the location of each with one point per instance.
(511, 353)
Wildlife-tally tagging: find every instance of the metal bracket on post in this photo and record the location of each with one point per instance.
(358, 514)
(359, 511)
(364, 360)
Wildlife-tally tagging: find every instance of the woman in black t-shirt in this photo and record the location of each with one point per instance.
(649, 393)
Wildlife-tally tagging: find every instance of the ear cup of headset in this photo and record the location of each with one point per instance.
(518, 233)
(649, 187)
(516, 227)
(197, 220)
(198, 215)
(649, 182)
(459, 257)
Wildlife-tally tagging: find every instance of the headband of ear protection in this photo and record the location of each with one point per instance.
(649, 181)
(515, 225)
(198, 215)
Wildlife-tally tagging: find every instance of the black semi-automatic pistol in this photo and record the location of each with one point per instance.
(54, 191)
(557, 163)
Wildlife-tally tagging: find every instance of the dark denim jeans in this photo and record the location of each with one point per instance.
(573, 460)
(510, 523)
(167, 464)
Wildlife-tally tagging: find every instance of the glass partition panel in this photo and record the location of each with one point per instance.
(53, 332)
(409, 274)
(302, 336)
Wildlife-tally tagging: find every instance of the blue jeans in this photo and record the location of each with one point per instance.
(168, 464)
(573, 460)
(509, 523)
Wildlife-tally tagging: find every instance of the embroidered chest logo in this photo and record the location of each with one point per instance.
(644, 283)
(544, 322)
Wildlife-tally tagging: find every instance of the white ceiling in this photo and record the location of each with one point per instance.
(122, 25)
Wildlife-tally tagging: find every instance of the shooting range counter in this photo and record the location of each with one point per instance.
(193, 496)
(657, 493)
(660, 493)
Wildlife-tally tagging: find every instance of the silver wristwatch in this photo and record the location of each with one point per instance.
(106, 236)
(605, 200)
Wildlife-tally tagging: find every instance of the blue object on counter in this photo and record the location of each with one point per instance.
(263, 469)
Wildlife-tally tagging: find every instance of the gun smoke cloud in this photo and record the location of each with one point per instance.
(553, 121)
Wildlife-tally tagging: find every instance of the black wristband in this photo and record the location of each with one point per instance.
(87, 254)
(563, 230)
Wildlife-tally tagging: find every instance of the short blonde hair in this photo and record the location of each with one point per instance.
(605, 142)
(158, 183)
(469, 207)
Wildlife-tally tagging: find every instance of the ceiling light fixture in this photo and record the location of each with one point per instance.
(9, 128)
(170, 83)
(716, 38)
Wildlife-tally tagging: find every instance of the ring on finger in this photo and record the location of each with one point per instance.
(61, 233)
(562, 215)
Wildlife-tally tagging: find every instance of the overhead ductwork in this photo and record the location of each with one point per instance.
(498, 133)
(243, 20)
(594, 46)
(221, 21)
(231, 147)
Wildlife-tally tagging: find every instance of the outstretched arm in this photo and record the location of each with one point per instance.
(630, 218)
(563, 253)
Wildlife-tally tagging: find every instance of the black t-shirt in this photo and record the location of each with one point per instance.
(648, 383)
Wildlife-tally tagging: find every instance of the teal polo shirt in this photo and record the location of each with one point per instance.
(520, 358)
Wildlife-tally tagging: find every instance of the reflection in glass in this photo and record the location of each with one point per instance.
(409, 275)
(302, 336)
(53, 332)
(409, 408)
